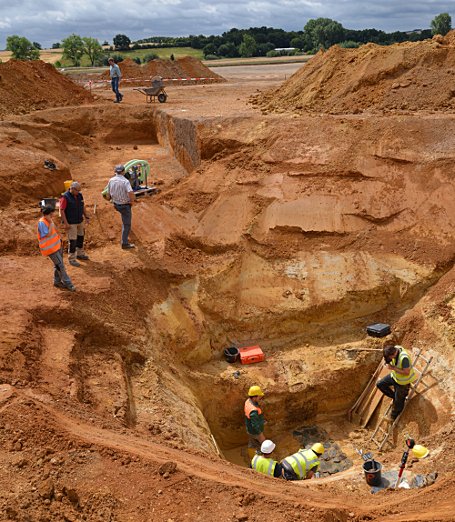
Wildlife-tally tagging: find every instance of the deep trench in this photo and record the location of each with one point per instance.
(315, 364)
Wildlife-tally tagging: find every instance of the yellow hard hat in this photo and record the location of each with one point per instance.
(420, 451)
(255, 391)
(318, 448)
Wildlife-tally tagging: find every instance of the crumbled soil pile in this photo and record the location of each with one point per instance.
(28, 86)
(186, 67)
(410, 76)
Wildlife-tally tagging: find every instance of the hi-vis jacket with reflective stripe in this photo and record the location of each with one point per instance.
(51, 242)
(302, 462)
(399, 378)
(264, 465)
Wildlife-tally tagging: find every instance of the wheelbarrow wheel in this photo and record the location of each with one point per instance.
(162, 97)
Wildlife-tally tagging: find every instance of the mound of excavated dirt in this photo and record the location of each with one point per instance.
(28, 86)
(410, 76)
(186, 67)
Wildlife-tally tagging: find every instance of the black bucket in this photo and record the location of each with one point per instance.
(372, 471)
(232, 354)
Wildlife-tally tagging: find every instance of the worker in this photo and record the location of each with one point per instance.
(254, 420)
(263, 461)
(50, 246)
(303, 464)
(74, 215)
(397, 383)
(119, 190)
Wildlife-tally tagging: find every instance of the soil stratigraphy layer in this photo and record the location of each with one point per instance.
(186, 67)
(28, 86)
(407, 77)
(294, 233)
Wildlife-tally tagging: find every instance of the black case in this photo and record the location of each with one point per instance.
(378, 330)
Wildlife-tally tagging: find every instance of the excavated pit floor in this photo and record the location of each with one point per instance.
(140, 345)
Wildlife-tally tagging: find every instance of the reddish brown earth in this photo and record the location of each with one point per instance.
(185, 67)
(35, 85)
(291, 231)
(406, 77)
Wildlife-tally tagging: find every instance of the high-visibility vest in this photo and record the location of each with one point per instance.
(302, 462)
(51, 242)
(264, 465)
(251, 428)
(399, 378)
(250, 407)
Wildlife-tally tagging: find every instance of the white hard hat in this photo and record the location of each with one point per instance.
(267, 447)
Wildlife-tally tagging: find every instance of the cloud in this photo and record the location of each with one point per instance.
(102, 19)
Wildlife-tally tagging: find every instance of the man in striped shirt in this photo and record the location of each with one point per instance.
(120, 192)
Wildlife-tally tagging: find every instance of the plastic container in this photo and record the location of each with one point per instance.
(67, 183)
(372, 471)
(251, 354)
(231, 354)
(378, 330)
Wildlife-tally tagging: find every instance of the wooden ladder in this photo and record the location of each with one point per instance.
(381, 434)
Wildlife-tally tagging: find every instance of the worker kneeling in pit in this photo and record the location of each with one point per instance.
(303, 464)
(263, 461)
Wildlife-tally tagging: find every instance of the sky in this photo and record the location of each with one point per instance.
(48, 21)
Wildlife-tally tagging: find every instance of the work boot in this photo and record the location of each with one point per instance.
(82, 255)
(128, 246)
(74, 262)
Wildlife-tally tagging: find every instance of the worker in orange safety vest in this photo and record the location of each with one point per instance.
(50, 245)
(254, 420)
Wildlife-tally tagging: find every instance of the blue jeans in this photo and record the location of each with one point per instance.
(114, 84)
(60, 275)
(127, 216)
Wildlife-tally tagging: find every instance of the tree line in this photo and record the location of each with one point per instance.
(319, 33)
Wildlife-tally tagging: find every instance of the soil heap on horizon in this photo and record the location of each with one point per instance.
(410, 76)
(185, 67)
(31, 85)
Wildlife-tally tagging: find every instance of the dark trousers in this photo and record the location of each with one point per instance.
(125, 212)
(60, 275)
(395, 391)
(114, 84)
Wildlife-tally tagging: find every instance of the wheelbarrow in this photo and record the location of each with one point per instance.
(155, 91)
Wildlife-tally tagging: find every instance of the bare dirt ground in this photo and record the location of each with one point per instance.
(294, 231)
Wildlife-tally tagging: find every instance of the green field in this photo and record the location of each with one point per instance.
(163, 53)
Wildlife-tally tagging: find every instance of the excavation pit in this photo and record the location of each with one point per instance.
(313, 253)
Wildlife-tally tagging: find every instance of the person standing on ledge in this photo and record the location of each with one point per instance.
(120, 192)
(116, 75)
(396, 385)
(50, 246)
(73, 213)
(254, 420)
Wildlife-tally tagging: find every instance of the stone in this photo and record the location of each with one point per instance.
(46, 489)
(71, 495)
(168, 467)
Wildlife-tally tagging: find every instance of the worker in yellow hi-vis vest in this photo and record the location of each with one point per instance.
(303, 464)
(396, 385)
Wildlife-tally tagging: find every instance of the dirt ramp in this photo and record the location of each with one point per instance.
(410, 76)
(29, 86)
